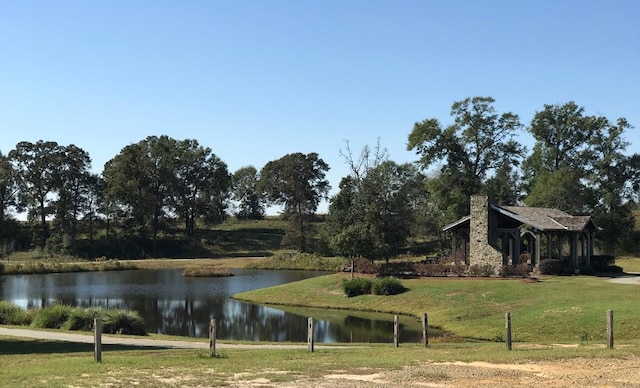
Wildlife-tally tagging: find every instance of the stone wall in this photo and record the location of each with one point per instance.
(480, 251)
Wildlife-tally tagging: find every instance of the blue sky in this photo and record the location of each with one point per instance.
(255, 80)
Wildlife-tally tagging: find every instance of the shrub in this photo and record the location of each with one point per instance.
(402, 268)
(457, 269)
(362, 265)
(423, 269)
(356, 286)
(123, 322)
(604, 263)
(481, 270)
(520, 270)
(1, 268)
(82, 319)
(11, 314)
(551, 267)
(52, 317)
(387, 286)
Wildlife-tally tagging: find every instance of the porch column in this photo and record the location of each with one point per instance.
(516, 248)
(538, 236)
(574, 249)
(589, 247)
(560, 246)
(454, 244)
(549, 246)
(465, 259)
(504, 248)
(511, 248)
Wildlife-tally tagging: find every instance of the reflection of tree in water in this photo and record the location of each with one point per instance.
(235, 320)
(179, 310)
(357, 329)
(242, 321)
(259, 323)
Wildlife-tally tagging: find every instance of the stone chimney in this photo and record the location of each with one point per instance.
(480, 251)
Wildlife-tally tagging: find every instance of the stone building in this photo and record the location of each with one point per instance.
(510, 235)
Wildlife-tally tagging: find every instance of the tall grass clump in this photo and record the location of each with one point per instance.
(207, 271)
(357, 286)
(51, 317)
(82, 319)
(305, 261)
(11, 314)
(387, 286)
(119, 321)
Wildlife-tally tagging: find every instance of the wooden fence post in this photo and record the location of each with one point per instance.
(310, 342)
(507, 318)
(610, 329)
(97, 340)
(396, 331)
(212, 338)
(425, 329)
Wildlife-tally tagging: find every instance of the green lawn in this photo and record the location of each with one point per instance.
(629, 264)
(554, 309)
(28, 363)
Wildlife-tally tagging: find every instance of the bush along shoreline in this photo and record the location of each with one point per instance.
(115, 321)
(379, 286)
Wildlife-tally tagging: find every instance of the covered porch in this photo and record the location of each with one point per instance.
(528, 235)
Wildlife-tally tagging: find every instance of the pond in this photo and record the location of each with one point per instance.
(175, 305)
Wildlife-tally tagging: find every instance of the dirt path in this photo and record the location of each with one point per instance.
(592, 372)
(630, 278)
(597, 372)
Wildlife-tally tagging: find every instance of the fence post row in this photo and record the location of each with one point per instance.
(212, 337)
(97, 340)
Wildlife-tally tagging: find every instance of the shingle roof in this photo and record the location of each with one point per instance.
(547, 218)
(541, 218)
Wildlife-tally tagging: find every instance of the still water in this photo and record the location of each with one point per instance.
(173, 304)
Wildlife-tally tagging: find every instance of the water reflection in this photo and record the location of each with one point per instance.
(171, 304)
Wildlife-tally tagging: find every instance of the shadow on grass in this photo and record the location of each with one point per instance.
(9, 346)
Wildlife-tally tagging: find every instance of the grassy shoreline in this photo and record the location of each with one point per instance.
(53, 266)
(554, 309)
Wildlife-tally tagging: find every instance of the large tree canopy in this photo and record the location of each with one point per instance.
(245, 191)
(296, 182)
(579, 165)
(8, 188)
(51, 180)
(373, 213)
(467, 152)
(159, 177)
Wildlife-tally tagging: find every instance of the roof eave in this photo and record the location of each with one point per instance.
(456, 223)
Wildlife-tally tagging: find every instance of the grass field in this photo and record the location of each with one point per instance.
(553, 309)
(629, 264)
(28, 363)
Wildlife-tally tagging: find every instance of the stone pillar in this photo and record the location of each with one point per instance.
(480, 251)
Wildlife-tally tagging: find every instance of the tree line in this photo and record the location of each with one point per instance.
(159, 185)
